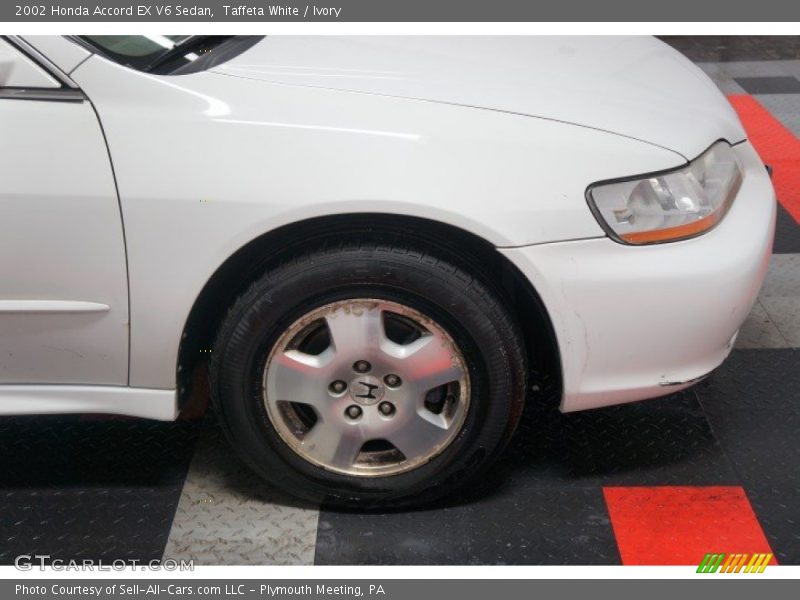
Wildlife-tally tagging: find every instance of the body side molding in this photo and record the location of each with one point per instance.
(51, 306)
(64, 399)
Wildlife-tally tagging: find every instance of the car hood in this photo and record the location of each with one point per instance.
(633, 86)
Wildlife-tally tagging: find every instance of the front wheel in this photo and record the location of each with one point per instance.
(368, 376)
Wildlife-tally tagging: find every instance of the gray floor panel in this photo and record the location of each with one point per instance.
(780, 296)
(749, 68)
(781, 84)
(228, 516)
(758, 331)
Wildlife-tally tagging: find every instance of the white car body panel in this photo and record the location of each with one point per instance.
(630, 85)
(64, 289)
(497, 136)
(285, 153)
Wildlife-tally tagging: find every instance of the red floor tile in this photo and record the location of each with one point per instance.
(679, 525)
(777, 147)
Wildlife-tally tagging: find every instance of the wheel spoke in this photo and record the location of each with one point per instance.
(419, 433)
(356, 330)
(429, 362)
(333, 446)
(294, 376)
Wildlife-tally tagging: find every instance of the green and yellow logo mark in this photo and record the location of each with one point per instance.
(734, 563)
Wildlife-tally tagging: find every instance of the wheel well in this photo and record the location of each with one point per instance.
(466, 249)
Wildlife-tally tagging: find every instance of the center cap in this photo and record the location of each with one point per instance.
(366, 390)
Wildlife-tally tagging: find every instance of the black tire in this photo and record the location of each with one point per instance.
(464, 304)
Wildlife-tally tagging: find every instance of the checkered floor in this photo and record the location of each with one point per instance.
(714, 468)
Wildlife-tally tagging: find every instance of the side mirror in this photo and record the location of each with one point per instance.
(17, 70)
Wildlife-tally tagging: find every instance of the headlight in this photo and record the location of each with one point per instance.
(670, 206)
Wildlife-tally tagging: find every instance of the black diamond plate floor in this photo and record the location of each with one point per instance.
(753, 405)
(77, 488)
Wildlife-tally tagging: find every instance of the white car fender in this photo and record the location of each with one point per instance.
(205, 163)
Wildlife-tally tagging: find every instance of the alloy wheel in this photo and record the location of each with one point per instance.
(366, 387)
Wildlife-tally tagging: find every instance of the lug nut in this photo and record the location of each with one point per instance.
(354, 412)
(386, 409)
(361, 366)
(338, 386)
(392, 380)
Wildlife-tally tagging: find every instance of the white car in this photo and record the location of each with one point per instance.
(372, 241)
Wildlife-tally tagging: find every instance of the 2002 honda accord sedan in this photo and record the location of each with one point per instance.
(372, 241)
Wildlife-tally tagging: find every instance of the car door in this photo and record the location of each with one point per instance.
(63, 281)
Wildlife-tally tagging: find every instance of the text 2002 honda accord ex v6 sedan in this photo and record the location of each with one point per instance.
(372, 241)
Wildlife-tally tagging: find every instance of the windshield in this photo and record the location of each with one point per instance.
(136, 51)
(169, 54)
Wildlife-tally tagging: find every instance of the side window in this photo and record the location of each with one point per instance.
(19, 71)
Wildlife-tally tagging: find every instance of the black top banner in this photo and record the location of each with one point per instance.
(401, 11)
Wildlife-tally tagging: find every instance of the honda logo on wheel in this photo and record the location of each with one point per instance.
(371, 387)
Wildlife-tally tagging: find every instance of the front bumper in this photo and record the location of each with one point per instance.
(636, 322)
